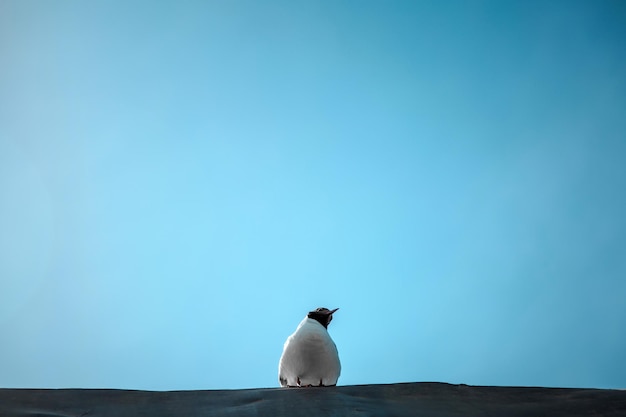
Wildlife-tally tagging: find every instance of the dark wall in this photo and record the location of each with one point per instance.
(413, 399)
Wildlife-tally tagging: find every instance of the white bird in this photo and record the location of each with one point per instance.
(310, 357)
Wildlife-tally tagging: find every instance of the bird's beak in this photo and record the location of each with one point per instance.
(332, 311)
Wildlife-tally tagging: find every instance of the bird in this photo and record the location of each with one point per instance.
(310, 357)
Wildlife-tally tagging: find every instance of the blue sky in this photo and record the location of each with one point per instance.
(180, 182)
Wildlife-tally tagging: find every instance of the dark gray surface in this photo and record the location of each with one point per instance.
(412, 399)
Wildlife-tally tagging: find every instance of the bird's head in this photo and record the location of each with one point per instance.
(323, 315)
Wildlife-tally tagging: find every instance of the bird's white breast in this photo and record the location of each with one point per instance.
(309, 357)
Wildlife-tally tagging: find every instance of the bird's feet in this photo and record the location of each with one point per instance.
(299, 384)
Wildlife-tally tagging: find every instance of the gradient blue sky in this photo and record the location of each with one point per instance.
(180, 182)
